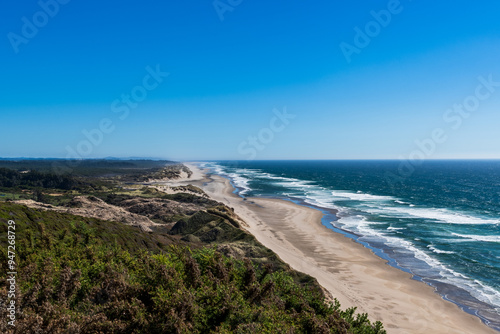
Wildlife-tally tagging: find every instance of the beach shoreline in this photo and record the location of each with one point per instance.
(347, 270)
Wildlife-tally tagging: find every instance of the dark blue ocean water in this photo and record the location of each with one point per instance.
(439, 220)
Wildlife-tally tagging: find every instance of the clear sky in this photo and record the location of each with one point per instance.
(250, 79)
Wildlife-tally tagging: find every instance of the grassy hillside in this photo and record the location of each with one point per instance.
(83, 275)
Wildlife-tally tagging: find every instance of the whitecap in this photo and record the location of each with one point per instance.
(439, 251)
(483, 238)
(359, 196)
(391, 228)
(437, 215)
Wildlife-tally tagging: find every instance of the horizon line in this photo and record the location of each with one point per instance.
(213, 160)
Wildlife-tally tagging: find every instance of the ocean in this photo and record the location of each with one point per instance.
(439, 221)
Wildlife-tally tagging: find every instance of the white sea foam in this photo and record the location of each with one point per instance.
(240, 182)
(364, 227)
(218, 170)
(483, 238)
(285, 182)
(296, 184)
(319, 196)
(274, 177)
(355, 223)
(439, 251)
(447, 216)
(437, 215)
(391, 228)
(359, 196)
(238, 177)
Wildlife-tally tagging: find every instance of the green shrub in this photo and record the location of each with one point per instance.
(75, 278)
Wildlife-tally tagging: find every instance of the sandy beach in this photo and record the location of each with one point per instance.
(347, 270)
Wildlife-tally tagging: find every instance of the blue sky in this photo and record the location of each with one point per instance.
(233, 66)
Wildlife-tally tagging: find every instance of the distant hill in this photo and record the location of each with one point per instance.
(86, 167)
